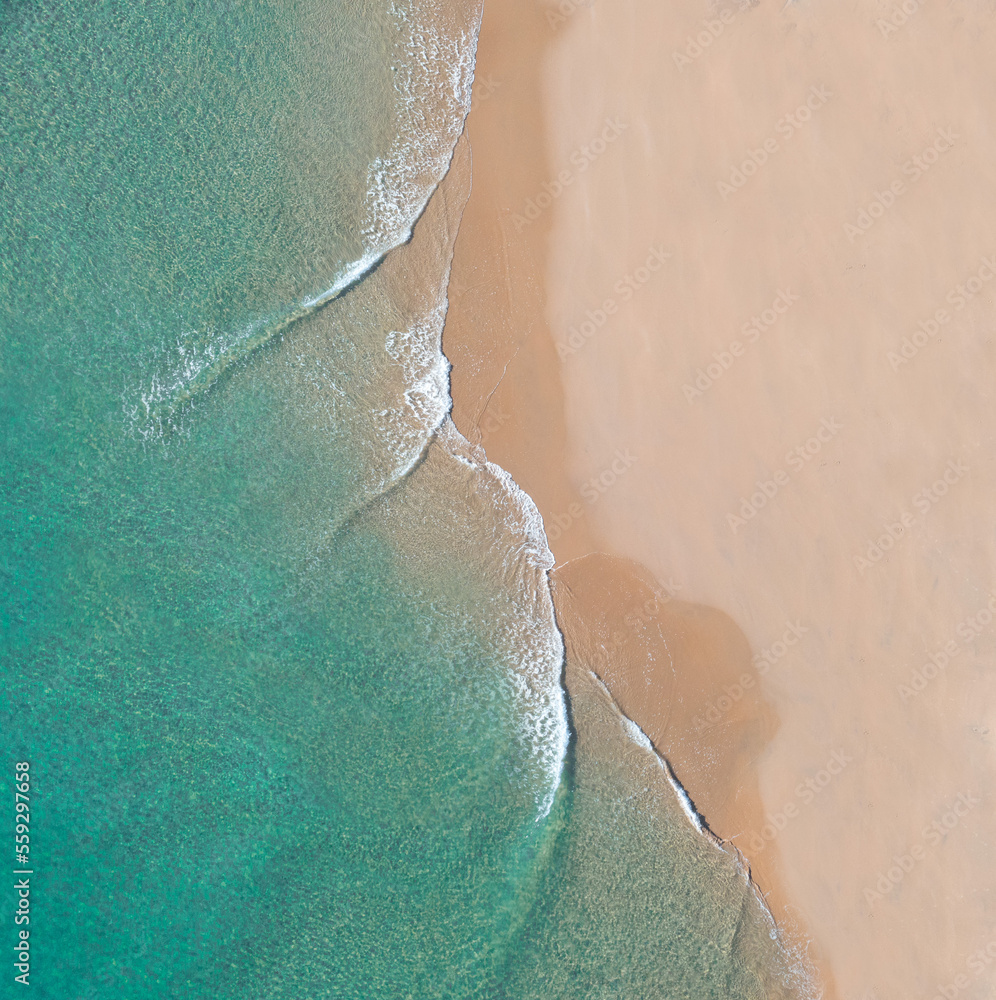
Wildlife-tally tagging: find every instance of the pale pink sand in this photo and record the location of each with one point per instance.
(671, 665)
(897, 905)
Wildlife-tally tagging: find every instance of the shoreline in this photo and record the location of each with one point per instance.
(506, 383)
(778, 422)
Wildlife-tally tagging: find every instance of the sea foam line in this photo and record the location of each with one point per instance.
(640, 738)
(538, 670)
(801, 972)
(436, 69)
(200, 369)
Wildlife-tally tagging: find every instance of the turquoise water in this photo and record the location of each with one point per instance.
(277, 643)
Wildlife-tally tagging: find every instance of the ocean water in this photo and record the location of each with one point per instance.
(278, 643)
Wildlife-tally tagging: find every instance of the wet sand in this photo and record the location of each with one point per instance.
(725, 310)
(670, 664)
(505, 380)
(683, 672)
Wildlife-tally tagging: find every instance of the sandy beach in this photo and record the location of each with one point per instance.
(722, 304)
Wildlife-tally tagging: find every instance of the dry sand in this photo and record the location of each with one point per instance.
(823, 479)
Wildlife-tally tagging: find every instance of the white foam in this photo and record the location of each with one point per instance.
(196, 360)
(686, 803)
(408, 425)
(535, 646)
(434, 66)
(640, 738)
(437, 69)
